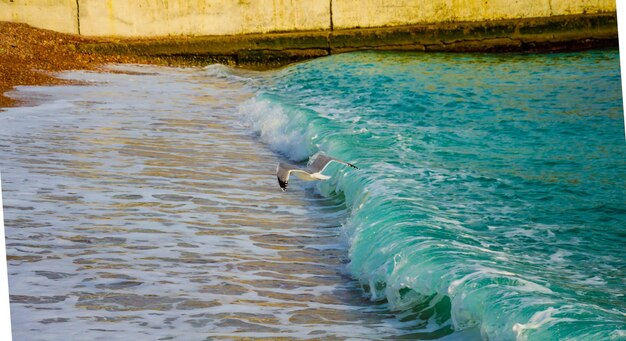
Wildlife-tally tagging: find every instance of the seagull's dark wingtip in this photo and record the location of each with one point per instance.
(283, 184)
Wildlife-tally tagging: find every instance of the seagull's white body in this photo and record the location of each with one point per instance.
(318, 163)
(306, 176)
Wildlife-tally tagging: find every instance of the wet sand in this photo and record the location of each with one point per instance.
(29, 56)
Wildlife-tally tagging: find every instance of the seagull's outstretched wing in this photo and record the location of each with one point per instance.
(284, 170)
(321, 161)
(282, 173)
(314, 171)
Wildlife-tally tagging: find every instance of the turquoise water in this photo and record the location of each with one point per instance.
(489, 201)
(491, 193)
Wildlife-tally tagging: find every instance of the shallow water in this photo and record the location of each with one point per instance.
(490, 201)
(140, 206)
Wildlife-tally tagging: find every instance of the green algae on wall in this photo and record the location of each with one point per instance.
(573, 32)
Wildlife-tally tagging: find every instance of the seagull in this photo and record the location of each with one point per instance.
(313, 172)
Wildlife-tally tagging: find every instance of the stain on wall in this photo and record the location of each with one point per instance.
(57, 15)
(145, 18)
(199, 17)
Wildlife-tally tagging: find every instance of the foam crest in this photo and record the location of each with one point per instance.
(221, 71)
(538, 319)
(235, 75)
(280, 127)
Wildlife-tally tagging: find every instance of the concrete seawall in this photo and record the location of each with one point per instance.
(149, 18)
(556, 33)
(276, 32)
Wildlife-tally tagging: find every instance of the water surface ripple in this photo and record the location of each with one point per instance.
(489, 203)
(491, 190)
(140, 207)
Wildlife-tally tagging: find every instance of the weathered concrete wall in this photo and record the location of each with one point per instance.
(147, 18)
(56, 15)
(378, 13)
(557, 33)
(200, 17)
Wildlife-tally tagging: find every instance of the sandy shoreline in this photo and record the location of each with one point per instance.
(29, 56)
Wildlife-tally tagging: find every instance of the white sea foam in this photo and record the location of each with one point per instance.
(538, 320)
(593, 281)
(618, 335)
(275, 127)
(230, 74)
(218, 70)
(559, 256)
